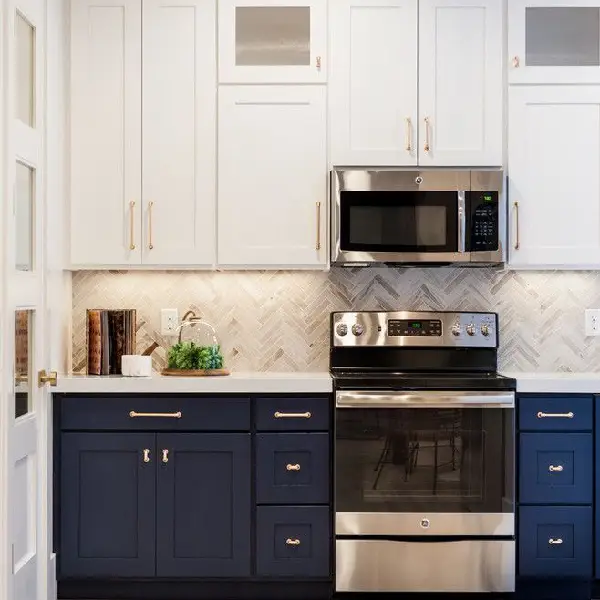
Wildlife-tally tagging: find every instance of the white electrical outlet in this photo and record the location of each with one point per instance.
(169, 321)
(592, 321)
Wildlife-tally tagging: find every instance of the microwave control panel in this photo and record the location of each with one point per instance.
(484, 221)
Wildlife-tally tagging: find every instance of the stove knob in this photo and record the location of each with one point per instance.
(471, 329)
(342, 329)
(357, 329)
(456, 330)
(485, 330)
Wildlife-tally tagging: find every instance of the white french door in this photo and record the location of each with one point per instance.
(26, 402)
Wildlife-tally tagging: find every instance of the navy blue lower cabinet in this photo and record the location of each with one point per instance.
(555, 541)
(108, 493)
(293, 541)
(203, 505)
(292, 468)
(556, 468)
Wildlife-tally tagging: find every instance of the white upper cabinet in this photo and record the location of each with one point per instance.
(390, 107)
(272, 181)
(460, 82)
(554, 176)
(106, 136)
(179, 129)
(554, 41)
(373, 82)
(272, 41)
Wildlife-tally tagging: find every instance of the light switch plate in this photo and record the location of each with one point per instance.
(169, 321)
(592, 321)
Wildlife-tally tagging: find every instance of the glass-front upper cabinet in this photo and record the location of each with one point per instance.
(272, 41)
(554, 41)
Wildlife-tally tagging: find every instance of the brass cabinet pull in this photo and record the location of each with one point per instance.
(292, 542)
(408, 134)
(150, 245)
(50, 377)
(290, 467)
(131, 229)
(558, 468)
(175, 415)
(318, 63)
(426, 148)
(146, 455)
(281, 415)
(543, 415)
(516, 62)
(556, 541)
(518, 240)
(165, 457)
(318, 245)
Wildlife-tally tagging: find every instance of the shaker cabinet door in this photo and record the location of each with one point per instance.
(179, 127)
(108, 504)
(204, 505)
(272, 177)
(373, 82)
(272, 41)
(460, 83)
(106, 137)
(553, 184)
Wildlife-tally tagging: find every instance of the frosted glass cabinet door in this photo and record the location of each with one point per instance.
(272, 41)
(554, 41)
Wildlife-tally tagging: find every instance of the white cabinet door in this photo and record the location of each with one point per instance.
(554, 182)
(272, 176)
(179, 129)
(460, 82)
(554, 41)
(272, 41)
(106, 133)
(373, 82)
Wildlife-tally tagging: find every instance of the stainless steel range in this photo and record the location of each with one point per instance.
(424, 445)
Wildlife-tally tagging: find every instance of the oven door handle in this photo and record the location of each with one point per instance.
(424, 399)
(462, 222)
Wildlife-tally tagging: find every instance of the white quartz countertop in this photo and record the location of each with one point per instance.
(566, 383)
(236, 383)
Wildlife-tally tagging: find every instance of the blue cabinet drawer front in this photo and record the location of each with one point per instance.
(556, 468)
(292, 468)
(293, 541)
(556, 413)
(293, 414)
(555, 541)
(155, 413)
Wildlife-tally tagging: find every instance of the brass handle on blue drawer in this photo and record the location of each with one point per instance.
(295, 467)
(175, 415)
(558, 468)
(281, 415)
(292, 542)
(146, 455)
(556, 541)
(543, 415)
(165, 457)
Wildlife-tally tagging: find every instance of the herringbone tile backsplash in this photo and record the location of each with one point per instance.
(279, 321)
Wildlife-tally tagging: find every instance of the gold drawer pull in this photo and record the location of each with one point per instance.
(295, 467)
(146, 455)
(175, 415)
(543, 415)
(557, 541)
(131, 226)
(303, 415)
(165, 457)
(292, 542)
(318, 244)
(558, 468)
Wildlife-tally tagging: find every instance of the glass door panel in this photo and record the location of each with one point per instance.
(23, 362)
(25, 47)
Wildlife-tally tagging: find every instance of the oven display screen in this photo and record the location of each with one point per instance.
(402, 327)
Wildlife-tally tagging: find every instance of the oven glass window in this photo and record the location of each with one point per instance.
(399, 221)
(416, 459)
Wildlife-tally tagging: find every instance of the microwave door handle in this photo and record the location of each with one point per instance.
(462, 222)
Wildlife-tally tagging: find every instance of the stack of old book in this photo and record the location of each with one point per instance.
(110, 335)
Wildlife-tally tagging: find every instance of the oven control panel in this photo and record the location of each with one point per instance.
(433, 329)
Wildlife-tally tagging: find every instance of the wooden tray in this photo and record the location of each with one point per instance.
(195, 372)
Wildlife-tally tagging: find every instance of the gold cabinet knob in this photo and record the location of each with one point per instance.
(290, 467)
(292, 542)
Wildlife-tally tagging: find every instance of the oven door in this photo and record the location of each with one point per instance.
(430, 463)
(400, 216)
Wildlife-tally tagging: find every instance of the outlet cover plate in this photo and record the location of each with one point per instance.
(169, 321)
(592, 321)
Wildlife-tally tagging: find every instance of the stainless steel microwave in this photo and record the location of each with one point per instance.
(408, 217)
